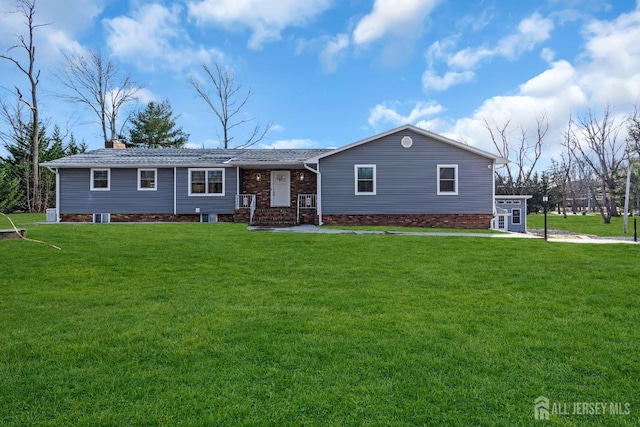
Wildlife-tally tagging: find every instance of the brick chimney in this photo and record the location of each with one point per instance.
(114, 143)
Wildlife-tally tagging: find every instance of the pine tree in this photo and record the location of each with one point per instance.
(10, 195)
(155, 127)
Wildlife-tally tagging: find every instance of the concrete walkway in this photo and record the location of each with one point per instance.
(550, 237)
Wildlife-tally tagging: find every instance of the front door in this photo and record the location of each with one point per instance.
(280, 188)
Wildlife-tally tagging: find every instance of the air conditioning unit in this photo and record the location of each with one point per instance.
(208, 217)
(100, 218)
(52, 215)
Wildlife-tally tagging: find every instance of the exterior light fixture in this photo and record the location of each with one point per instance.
(258, 177)
(301, 176)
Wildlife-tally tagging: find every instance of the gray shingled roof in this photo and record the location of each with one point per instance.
(277, 155)
(182, 157)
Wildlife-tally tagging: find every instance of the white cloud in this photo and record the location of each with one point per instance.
(550, 82)
(333, 52)
(397, 17)
(554, 92)
(267, 19)
(291, 143)
(399, 22)
(431, 81)
(153, 36)
(611, 71)
(607, 73)
(440, 49)
(382, 115)
(468, 58)
(547, 54)
(145, 96)
(532, 31)
(56, 28)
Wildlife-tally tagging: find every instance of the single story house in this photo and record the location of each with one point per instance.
(405, 176)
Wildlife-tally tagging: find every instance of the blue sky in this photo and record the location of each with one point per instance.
(330, 72)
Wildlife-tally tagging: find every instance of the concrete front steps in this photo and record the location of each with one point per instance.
(274, 217)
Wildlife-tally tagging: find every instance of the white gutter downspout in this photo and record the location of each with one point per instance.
(237, 182)
(175, 186)
(55, 171)
(318, 190)
(493, 186)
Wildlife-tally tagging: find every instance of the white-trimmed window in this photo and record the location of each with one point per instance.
(206, 182)
(515, 216)
(147, 179)
(448, 179)
(100, 179)
(365, 179)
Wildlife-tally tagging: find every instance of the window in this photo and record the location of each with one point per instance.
(101, 218)
(515, 216)
(501, 222)
(448, 179)
(100, 179)
(147, 179)
(206, 182)
(365, 176)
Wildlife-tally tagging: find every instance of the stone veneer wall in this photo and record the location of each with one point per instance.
(476, 221)
(143, 218)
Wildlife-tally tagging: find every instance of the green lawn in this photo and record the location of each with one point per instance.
(410, 229)
(584, 224)
(209, 324)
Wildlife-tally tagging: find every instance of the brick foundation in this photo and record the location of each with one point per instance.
(143, 218)
(475, 221)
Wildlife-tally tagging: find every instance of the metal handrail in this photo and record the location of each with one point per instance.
(305, 201)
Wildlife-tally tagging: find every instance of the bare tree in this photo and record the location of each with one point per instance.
(227, 101)
(600, 155)
(27, 8)
(562, 173)
(523, 151)
(633, 139)
(96, 83)
(633, 131)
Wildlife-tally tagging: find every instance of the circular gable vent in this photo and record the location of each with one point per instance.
(406, 142)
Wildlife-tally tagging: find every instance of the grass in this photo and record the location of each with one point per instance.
(583, 224)
(409, 229)
(209, 324)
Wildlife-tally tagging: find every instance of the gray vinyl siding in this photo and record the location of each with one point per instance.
(519, 228)
(124, 197)
(510, 207)
(208, 204)
(76, 196)
(406, 178)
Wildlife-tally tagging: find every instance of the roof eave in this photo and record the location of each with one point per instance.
(268, 164)
(443, 139)
(132, 165)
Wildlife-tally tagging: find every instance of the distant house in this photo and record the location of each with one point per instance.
(406, 176)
